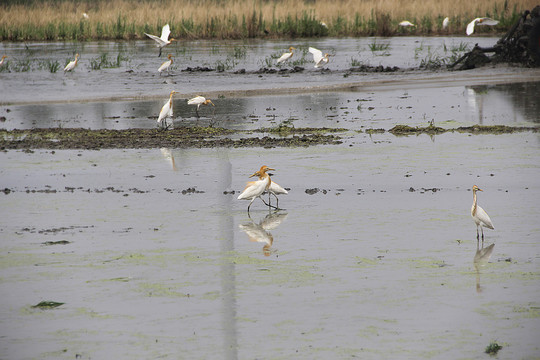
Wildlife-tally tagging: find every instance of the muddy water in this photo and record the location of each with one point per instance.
(163, 261)
(374, 255)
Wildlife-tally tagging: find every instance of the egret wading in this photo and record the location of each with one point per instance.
(166, 65)
(274, 189)
(2, 61)
(71, 65)
(480, 217)
(286, 56)
(164, 39)
(254, 189)
(199, 100)
(166, 111)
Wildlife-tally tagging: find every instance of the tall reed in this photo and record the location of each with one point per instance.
(230, 19)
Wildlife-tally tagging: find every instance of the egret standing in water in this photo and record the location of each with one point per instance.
(274, 189)
(318, 57)
(199, 100)
(286, 56)
(166, 65)
(166, 111)
(2, 61)
(71, 65)
(254, 189)
(164, 39)
(480, 21)
(480, 217)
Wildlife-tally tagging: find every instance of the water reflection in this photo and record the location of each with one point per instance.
(481, 258)
(261, 232)
(504, 103)
(168, 155)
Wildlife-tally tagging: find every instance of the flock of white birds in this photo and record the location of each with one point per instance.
(255, 189)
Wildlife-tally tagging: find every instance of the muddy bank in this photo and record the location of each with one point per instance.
(194, 137)
(211, 137)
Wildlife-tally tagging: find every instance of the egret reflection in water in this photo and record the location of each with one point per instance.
(261, 232)
(481, 258)
(168, 155)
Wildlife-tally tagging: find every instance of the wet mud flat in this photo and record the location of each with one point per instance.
(142, 250)
(147, 253)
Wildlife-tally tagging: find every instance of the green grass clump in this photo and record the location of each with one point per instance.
(493, 348)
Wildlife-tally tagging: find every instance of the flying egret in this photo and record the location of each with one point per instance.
(480, 217)
(166, 111)
(164, 39)
(166, 65)
(406, 23)
(199, 100)
(480, 21)
(445, 23)
(286, 56)
(254, 189)
(71, 65)
(318, 57)
(2, 61)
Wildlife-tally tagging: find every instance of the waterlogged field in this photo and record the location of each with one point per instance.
(147, 253)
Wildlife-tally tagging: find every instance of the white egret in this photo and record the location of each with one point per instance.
(166, 64)
(445, 23)
(286, 56)
(480, 217)
(166, 111)
(199, 100)
(274, 189)
(164, 39)
(480, 21)
(71, 65)
(85, 16)
(406, 23)
(254, 189)
(318, 57)
(2, 61)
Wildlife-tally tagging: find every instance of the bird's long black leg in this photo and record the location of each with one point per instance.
(160, 51)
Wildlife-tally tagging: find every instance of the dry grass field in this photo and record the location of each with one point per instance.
(226, 19)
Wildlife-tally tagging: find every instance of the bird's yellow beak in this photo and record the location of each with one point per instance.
(210, 101)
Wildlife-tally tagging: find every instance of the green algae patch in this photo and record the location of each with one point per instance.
(47, 305)
(493, 348)
(404, 130)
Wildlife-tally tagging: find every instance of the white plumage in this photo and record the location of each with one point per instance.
(480, 21)
(406, 23)
(445, 22)
(71, 65)
(254, 189)
(286, 56)
(199, 100)
(166, 111)
(480, 217)
(318, 57)
(166, 65)
(164, 39)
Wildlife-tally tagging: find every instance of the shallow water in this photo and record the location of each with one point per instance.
(375, 255)
(364, 267)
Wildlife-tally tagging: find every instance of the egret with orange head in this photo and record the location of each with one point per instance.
(254, 189)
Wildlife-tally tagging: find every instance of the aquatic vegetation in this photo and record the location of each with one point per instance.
(47, 305)
(493, 348)
(103, 61)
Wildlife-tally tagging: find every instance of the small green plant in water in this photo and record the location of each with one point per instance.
(493, 348)
(47, 305)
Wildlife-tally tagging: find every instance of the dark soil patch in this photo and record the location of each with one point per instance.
(193, 137)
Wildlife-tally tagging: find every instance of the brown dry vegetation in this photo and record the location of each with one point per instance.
(124, 19)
